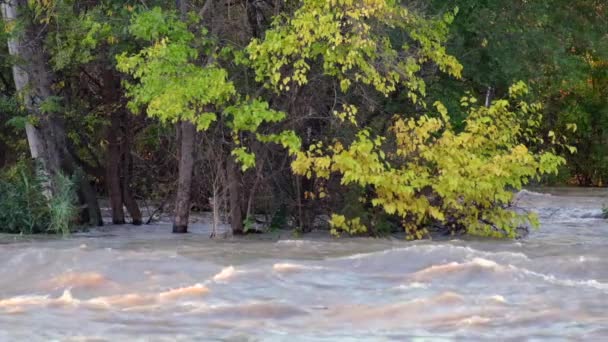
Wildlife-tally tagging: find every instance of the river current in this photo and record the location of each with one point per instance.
(145, 284)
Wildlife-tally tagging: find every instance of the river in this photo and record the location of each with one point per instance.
(145, 284)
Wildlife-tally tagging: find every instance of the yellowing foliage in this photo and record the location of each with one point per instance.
(434, 175)
(351, 39)
(423, 171)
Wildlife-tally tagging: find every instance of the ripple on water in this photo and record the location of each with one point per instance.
(553, 282)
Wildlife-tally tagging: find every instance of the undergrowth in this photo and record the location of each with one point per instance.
(24, 207)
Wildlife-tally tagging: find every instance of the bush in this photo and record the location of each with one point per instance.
(24, 209)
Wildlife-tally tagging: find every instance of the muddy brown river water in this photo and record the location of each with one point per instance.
(144, 284)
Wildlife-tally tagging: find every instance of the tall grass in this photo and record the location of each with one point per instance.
(24, 208)
(62, 208)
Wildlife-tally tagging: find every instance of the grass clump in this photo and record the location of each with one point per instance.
(24, 207)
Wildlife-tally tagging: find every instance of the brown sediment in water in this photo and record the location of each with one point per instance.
(190, 291)
(409, 310)
(22, 301)
(260, 310)
(78, 280)
(431, 272)
(286, 267)
(120, 301)
(123, 301)
(552, 285)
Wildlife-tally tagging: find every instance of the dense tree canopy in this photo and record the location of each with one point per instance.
(364, 117)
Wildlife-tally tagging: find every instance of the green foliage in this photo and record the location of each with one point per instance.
(62, 209)
(171, 85)
(378, 102)
(351, 40)
(179, 79)
(582, 113)
(249, 225)
(24, 208)
(279, 218)
(556, 46)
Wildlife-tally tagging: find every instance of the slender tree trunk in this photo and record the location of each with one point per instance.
(184, 184)
(91, 213)
(187, 137)
(236, 195)
(489, 96)
(306, 212)
(90, 199)
(113, 161)
(3, 149)
(127, 191)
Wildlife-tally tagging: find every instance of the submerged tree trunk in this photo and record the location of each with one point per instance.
(118, 156)
(127, 191)
(113, 172)
(236, 195)
(184, 184)
(187, 134)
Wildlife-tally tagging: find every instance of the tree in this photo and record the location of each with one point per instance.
(549, 45)
(420, 170)
(34, 83)
(179, 78)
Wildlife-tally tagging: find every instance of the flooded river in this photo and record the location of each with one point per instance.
(131, 284)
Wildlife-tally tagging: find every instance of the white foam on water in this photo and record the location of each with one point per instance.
(188, 291)
(295, 242)
(289, 267)
(440, 248)
(498, 298)
(525, 192)
(485, 263)
(590, 283)
(20, 302)
(475, 320)
(412, 286)
(225, 274)
(26, 300)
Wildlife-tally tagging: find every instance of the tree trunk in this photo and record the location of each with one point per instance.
(186, 167)
(186, 161)
(33, 79)
(91, 213)
(3, 149)
(113, 161)
(489, 96)
(127, 191)
(90, 199)
(236, 195)
(118, 155)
